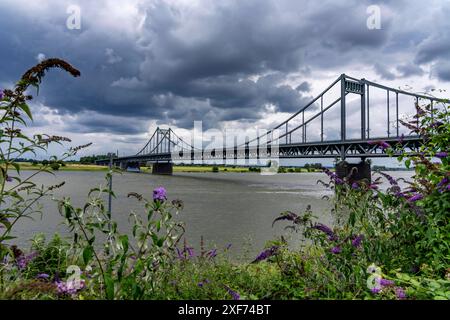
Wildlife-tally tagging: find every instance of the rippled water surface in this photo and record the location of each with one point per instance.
(223, 207)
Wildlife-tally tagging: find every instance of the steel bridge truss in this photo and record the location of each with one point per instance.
(281, 141)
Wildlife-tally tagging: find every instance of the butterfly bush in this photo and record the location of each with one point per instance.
(404, 227)
(124, 267)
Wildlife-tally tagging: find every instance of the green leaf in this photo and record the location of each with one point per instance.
(88, 253)
(408, 163)
(26, 109)
(109, 287)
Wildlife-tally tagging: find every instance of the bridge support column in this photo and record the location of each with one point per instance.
(354, 171)
(162, 168)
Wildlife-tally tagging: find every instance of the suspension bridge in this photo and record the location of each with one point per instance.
(304, 134)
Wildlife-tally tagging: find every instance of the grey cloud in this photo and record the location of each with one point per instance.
(304, 87)
(219, 61)
(384, 72)
(409, 69)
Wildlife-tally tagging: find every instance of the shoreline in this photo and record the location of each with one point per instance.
(180, 168)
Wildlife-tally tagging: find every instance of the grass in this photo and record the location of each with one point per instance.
(176, 168)
(67, 167)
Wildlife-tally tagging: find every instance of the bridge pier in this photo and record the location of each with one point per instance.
(354, 171)
(165, 168)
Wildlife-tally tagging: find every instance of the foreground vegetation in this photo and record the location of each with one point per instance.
(392, 244)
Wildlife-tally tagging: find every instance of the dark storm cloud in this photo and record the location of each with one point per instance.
(407, 70)
(384, 72)
(216, 61)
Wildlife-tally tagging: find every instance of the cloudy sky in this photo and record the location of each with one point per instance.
(240, 64)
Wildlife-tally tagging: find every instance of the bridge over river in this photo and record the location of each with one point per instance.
(291, 138)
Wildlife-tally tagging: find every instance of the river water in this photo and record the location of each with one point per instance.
(224, 208)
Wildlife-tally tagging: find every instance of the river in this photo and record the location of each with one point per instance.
(224, 208)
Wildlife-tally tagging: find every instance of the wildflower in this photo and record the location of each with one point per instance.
(202, 283)
(355, 185)
(23, 260)
(228, 246)
(382, 144)
(356, 242)
(385, 282)
(443, 182)
(190, 251)
(212, 253)
(70, 287)
(336, 250)
(266, 254)
(373, 186)
(1, 94)
(233, 294)
(375, 290)
(159, 194)
(436, 124)
(8, 178)
(442, 155)
(180, 254)
(415, 197)
(338, 180)
(42, 276)
(400, 293)
(391, 180)
(331, 235)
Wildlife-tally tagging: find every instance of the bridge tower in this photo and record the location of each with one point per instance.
(352, 171)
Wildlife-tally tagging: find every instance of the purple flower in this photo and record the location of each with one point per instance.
(212, 253)
(202, 283)
(386, 282)
(228, 246)
(400, 293)
(266, 254)
(1, 94)
(443, 182)
(331, 235)
(382, 144)
(391, 180)
(23, 260)
(415, 197)
(442, 154)
(336, 250)
(8, 178)
(159, 194)
(233, 293)
(338, 180)
(356, 242)
(373, 186)
(375, 290)
(355, 185)
(190, 251)
(69, 287)
(180, 254)
(436, 124)
(42, 276)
